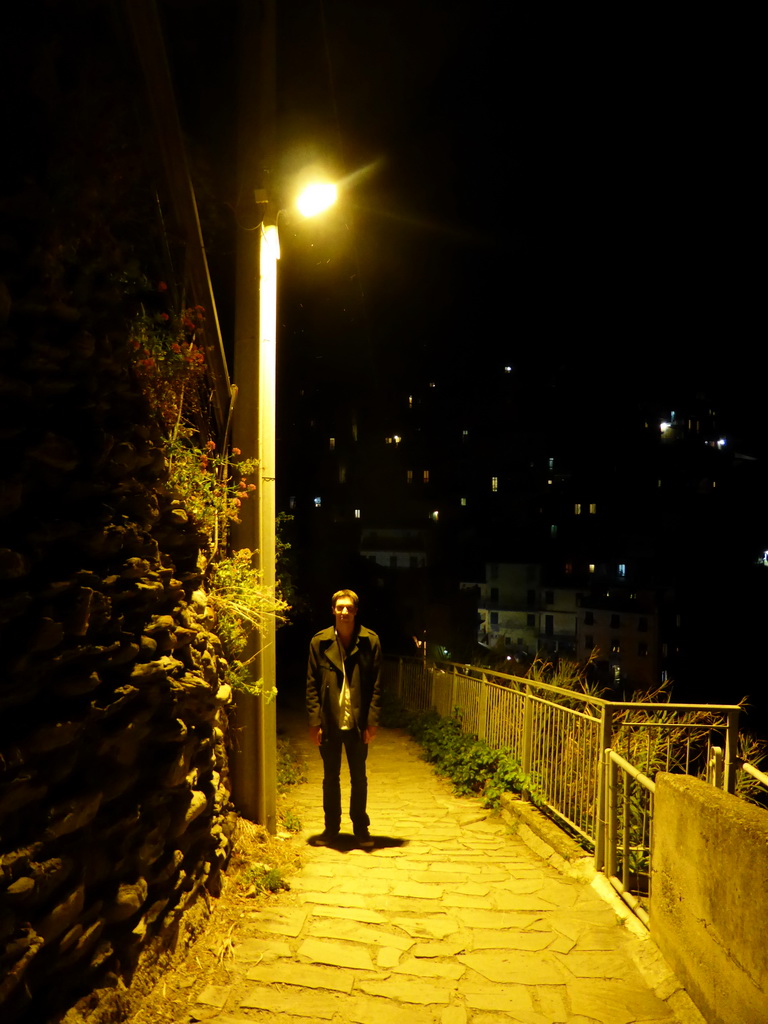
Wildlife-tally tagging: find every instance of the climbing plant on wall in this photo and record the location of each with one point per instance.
(210, 479)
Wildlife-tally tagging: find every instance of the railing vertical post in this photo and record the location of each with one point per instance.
(731, 750)
(651, 812)
(626, 833)
(611, 772)
(526, 758)
(482, 711)
(399, 690)
(605, 739)
(715, 767)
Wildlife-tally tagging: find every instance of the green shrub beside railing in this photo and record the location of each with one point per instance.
(474, 767)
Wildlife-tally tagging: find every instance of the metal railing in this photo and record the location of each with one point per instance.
(629, 824)
(571, 745)
(715, 769)
(750, 769)
(629, 833)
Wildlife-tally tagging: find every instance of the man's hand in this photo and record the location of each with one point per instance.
(315, 734)
(369, 733)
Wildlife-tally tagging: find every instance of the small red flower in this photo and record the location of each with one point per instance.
(162, 286)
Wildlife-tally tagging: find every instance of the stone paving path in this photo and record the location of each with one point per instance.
(449, 919)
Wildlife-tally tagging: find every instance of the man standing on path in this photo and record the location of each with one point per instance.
(343, 699)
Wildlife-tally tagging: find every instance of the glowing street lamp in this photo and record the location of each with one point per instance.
(316, 198)
(313, 200)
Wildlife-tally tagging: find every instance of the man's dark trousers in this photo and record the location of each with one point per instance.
(331, 744)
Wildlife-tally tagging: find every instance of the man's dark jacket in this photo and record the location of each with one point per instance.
(325, 675)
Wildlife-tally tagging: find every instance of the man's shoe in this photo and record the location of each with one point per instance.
(326, 838)
(364, 839)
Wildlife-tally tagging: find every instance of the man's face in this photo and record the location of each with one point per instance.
(344, 612)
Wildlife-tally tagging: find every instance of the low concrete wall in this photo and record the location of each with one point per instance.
(710, 878)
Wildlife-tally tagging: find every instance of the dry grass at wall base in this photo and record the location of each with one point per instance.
(261, 864)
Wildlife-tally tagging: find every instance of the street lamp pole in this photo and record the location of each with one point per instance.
(269, 254)
(253, 761)
(255, 766)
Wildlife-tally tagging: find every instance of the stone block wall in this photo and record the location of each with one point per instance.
(710, 875)
(114, 788)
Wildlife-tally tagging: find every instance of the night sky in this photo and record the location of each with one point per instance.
(573, 195)
(577, 195)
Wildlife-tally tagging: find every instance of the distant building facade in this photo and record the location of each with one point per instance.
(622, 629)
(394, 548)
(522, 614)
(519, 613)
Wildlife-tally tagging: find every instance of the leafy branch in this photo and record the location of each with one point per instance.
(242, 604)
(169, 365)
